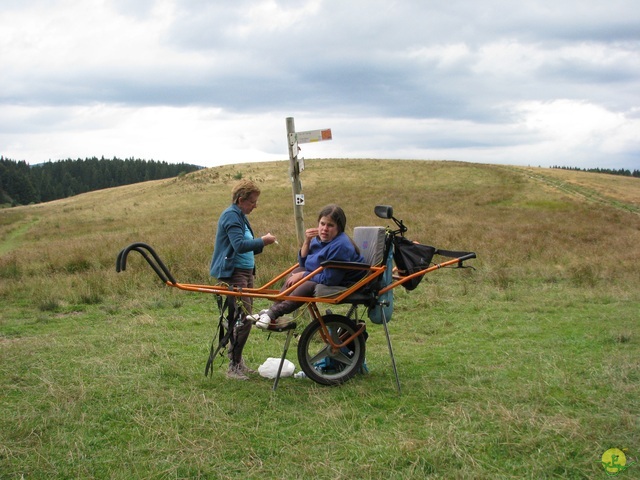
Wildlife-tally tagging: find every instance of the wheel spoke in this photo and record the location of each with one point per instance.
(342, 358)
(321, 355)
(336, 334)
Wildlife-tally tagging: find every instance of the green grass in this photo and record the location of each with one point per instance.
(13, 237)
(497, 392)
(524, 368)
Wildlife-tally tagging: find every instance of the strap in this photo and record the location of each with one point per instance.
(223, 337)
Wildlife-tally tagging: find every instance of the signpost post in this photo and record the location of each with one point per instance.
(296, 166)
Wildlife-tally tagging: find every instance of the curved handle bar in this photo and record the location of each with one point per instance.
(154, 261)
(460, 256)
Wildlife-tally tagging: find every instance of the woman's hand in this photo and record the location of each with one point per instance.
(294, 278)
(268, 239)
(310, 234)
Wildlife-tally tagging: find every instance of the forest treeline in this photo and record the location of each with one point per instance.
(22, 184)
(611, 171)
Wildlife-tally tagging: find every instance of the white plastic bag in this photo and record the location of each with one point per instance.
(269, 369)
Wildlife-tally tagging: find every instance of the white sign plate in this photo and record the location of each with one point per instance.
(299, 198)
(310, 136)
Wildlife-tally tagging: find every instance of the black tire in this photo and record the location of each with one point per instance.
(313, 350)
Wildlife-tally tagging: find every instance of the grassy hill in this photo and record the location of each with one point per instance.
(525, 367)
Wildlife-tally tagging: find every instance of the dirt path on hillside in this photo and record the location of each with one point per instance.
(12, 238)
(621, 193)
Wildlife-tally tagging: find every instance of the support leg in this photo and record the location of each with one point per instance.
(393, 360)
(284, 354)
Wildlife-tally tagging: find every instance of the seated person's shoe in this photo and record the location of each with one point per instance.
(262, 320)
(265, 322)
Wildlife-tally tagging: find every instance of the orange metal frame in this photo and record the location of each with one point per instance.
(269, 293)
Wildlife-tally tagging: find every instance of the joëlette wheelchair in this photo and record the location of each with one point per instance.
(331, 348)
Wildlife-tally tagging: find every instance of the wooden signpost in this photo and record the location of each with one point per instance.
(297, 165)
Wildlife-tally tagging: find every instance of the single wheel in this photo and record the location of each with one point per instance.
(319, 362)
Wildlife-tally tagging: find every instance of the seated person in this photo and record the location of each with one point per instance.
(326, 242)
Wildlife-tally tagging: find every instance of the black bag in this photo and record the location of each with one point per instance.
(410, 258)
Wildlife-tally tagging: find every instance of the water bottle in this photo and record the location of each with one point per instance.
(300, 374)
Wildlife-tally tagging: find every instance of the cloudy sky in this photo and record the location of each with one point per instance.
(212, 82)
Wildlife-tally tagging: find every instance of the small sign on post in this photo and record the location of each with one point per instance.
(310, 136)
(296, 166)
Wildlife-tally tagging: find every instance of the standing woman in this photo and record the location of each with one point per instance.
(233, 263)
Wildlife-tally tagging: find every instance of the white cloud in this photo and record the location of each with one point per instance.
(270, 16)
(212, 82)
(442, 56)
